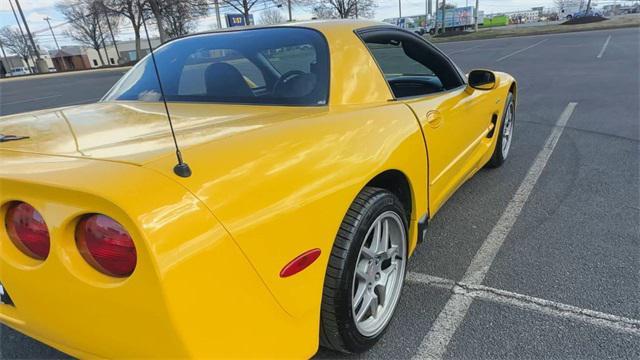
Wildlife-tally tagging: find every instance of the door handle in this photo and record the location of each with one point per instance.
(434, 119)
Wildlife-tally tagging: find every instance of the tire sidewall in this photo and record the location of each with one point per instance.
(383, 202)
(498, 157)
(502, 127)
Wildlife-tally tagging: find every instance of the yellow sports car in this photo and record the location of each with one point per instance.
(310, 159)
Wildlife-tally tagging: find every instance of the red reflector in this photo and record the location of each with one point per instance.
(27, 230)
(300, 263)
(106, 245)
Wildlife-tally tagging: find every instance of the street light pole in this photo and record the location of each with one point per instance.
(40, 64)
(399, 8)
(24, 38)
(48, 20)
(26, 27)
(289, 5)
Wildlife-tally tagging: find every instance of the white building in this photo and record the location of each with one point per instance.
(15, 62)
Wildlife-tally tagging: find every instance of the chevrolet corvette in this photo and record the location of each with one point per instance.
(310, 159)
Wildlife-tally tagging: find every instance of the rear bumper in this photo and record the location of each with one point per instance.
(78, 354)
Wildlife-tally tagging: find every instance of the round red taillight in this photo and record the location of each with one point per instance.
(27, 230)
(106, 245)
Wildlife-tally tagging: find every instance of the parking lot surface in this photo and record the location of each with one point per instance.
(537, 259)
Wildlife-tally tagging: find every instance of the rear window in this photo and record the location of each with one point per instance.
(272, 66)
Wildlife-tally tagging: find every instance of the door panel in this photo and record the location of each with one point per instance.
(455, 125)
(455, 119)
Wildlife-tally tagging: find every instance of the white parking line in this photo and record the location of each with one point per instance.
(547, 307)
(521, 50)
(435, 343)
(604, 47)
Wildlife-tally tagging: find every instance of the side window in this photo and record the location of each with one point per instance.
(394, 62)
(410, 66)
(193, 77)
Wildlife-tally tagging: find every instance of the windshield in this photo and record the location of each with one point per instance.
(273, 66)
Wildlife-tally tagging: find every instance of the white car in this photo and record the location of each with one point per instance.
(19, 71)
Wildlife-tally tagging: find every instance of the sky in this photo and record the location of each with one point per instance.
(37, 10)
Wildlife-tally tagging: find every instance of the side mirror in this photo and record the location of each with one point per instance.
(482, 79)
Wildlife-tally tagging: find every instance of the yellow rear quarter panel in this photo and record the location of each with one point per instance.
(284, 189)
(193, 293)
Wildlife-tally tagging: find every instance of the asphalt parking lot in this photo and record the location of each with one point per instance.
(537, 259)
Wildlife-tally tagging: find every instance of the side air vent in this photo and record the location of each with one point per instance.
(494, 121)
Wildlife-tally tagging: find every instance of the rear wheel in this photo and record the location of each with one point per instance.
(365, 273)
(505, 135)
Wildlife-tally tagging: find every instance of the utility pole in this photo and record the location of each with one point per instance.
(48, 20)
(289, 5)
(216, 6)
(426, 13)
(24, 38)
(41, 65)
(5, 63)
(475, 13)
(356, 4)
(399, 8)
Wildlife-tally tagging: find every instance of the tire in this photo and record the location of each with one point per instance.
(501, 152)
(353, 249)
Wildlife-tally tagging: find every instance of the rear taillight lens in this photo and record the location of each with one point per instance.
(27, 230)
(106, 245)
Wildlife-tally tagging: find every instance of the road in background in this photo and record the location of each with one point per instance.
(576, 241)
(43, 92)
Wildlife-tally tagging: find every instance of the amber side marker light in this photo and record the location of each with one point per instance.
(106, 245)
(27, 230)
(300, 263)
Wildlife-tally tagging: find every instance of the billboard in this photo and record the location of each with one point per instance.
(458, 17)
(234, 20)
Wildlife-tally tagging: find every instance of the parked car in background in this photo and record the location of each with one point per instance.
(568, 8)
(417, 24)
(584, 13)
(19, 71)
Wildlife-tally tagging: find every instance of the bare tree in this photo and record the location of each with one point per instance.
(271, 17)
(16, 43)
(342, 9)
(132, 10)
(244, 6)
(176, 17)
(87, 23)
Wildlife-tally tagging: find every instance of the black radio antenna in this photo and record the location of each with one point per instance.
(181, 169)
